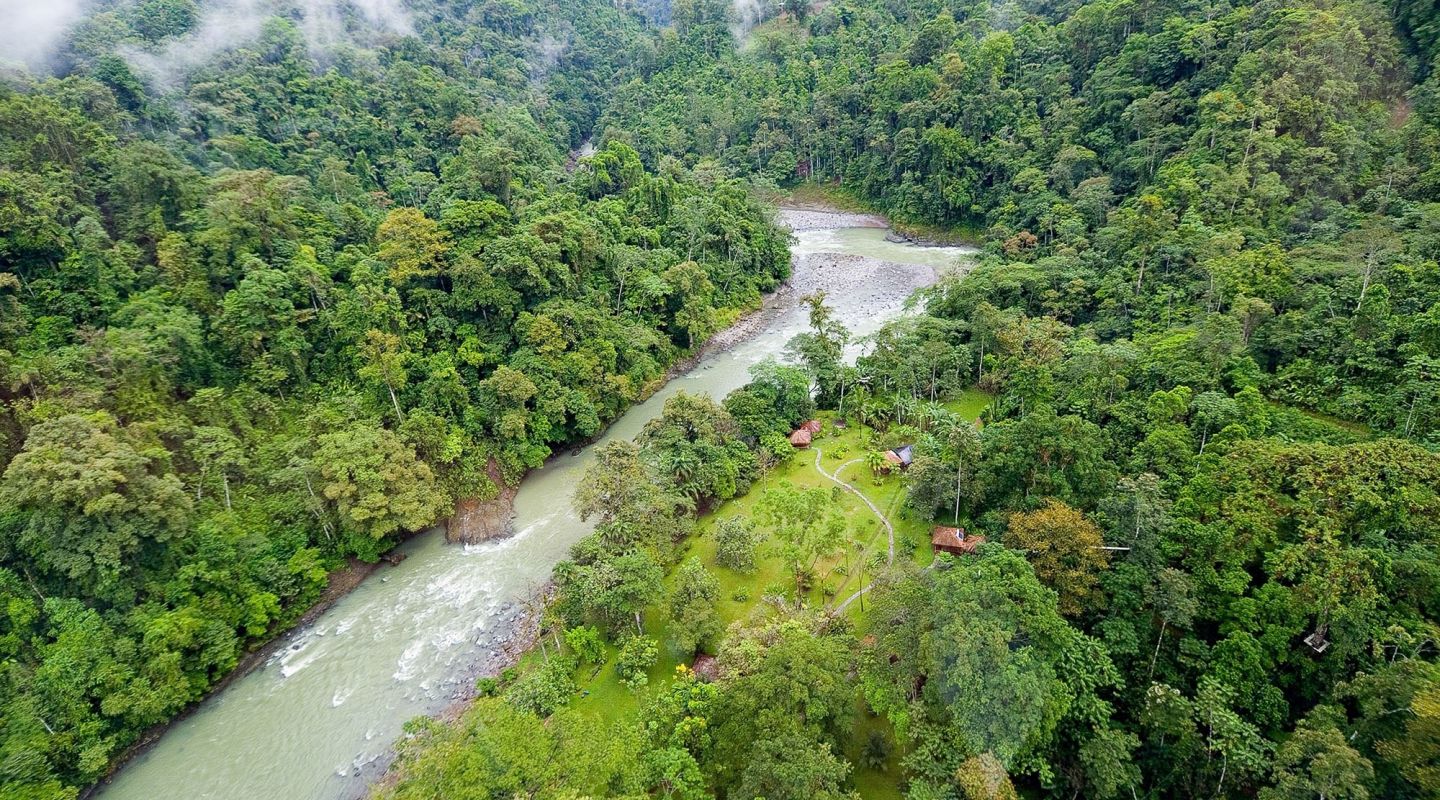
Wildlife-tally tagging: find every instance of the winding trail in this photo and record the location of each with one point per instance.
(889, 529)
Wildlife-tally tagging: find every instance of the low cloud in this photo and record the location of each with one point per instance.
(31, 30)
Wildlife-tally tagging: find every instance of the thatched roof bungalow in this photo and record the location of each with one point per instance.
(801, 438)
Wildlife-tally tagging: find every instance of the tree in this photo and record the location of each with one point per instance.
(790, 767)
(1318, 761)
(90, 494)
(1414, 750)
(803, 532)
(412, 245)
(377, 484)
(822, 349)
(630, 506)
(1001, 665)
(637, 656)
(673, 774)
(695, 446)
(983, 777)
(384, 357)
(786, 697)
(1108, 759)
(736, 542)
(694, 622)
(612, 589)
(586, 644)
(1172, 596)
(1066, 550)
(496, 750)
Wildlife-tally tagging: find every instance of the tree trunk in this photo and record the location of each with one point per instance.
(959, 471)
(399, 416)
(1156, 655)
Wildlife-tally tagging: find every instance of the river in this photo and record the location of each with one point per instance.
(317, 720)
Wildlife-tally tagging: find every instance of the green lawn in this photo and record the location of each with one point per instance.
(601, 691)
(970, 403)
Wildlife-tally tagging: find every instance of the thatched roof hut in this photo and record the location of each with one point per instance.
(814, 426)
(800, 438)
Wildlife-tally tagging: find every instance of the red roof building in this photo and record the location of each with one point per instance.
(954, 541)
(800, 438)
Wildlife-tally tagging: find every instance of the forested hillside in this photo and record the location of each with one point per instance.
(1261, 176)
(286, 306)
(1208, 314)
(277, 300)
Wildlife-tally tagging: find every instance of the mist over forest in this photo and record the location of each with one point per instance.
(1139, 498)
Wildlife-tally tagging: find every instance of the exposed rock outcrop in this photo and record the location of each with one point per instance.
(476, 520)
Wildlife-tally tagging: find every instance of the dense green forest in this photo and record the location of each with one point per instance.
(285, 305)
(286, 308)
(1208, 311)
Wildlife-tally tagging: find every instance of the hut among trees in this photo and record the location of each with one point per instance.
(954, 541)
(805, 434)
(901, 457)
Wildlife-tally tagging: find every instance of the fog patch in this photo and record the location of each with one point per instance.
(744, 16)
(31, 30)
(225, 25)
(323, 21)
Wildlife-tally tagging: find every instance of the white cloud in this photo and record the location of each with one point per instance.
(30, 30)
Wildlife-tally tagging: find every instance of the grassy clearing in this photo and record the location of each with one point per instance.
(742, 594)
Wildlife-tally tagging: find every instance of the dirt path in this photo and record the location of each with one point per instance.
(889, 529)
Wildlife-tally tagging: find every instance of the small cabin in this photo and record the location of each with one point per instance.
(801, 438)
(902, 456)
(814, 426)
(954, 541)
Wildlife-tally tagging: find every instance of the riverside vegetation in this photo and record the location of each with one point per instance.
(1206, 313)
(290, 312)
(283, 311)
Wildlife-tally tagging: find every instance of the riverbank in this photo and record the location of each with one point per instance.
(476, 521)
(489, 520)
(836, 273)
(865, 290)
(879, 528)
(338, 584)
(338, 691)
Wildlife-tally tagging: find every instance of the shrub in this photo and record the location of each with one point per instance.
(545, 689)
(736, 540)
(586, 644)
(637, 656)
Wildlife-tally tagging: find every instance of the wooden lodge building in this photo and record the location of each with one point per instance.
(954, 541)
(901, 457)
